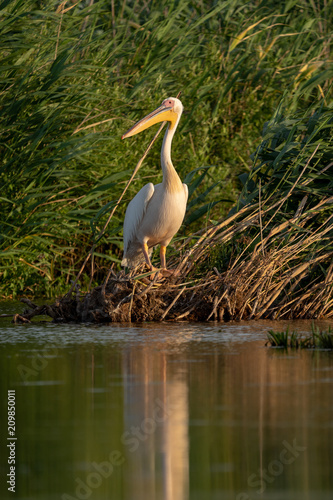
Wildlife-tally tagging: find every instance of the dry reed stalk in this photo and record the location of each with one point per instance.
(217, 301)
(131, 303)
(172, 303)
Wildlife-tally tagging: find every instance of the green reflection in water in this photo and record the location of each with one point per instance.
(166, 412)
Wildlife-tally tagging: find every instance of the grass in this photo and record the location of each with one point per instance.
(283, 339)
(316, 340)
(75, 75)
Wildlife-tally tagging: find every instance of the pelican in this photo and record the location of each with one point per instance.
(156, 212)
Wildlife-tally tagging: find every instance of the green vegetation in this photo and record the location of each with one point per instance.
(317, 340)
(75, 75)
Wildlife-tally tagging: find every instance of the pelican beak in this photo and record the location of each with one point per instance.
(161, 114)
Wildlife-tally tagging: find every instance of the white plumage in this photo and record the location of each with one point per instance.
(135, 213)
(156, 212)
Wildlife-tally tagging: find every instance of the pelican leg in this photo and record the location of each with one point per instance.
(148, 262)
(162, 256)
(166, 273)
(146, 256)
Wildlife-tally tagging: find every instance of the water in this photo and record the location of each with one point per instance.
(165, 411)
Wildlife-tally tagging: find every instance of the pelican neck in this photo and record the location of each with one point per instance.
(171, 179)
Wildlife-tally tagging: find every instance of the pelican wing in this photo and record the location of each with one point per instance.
(185, 187)
(135, 213)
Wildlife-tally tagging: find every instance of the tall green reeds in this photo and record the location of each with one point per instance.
(75, 75)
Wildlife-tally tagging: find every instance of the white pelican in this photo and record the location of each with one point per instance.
(156, 212)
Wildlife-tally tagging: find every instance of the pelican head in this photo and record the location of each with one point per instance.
(169, 111)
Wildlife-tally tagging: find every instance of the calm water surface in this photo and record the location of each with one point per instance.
(165, 412)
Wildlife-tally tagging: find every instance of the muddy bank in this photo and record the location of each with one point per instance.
(137, 299)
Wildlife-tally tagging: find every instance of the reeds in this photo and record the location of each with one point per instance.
(76, 74)
(274, 256)
(271, 259)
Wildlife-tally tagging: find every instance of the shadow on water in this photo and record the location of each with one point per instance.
(166, 411)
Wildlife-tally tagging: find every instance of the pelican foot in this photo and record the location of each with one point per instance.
(155, 274)
(162, 273)
(167, 273)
